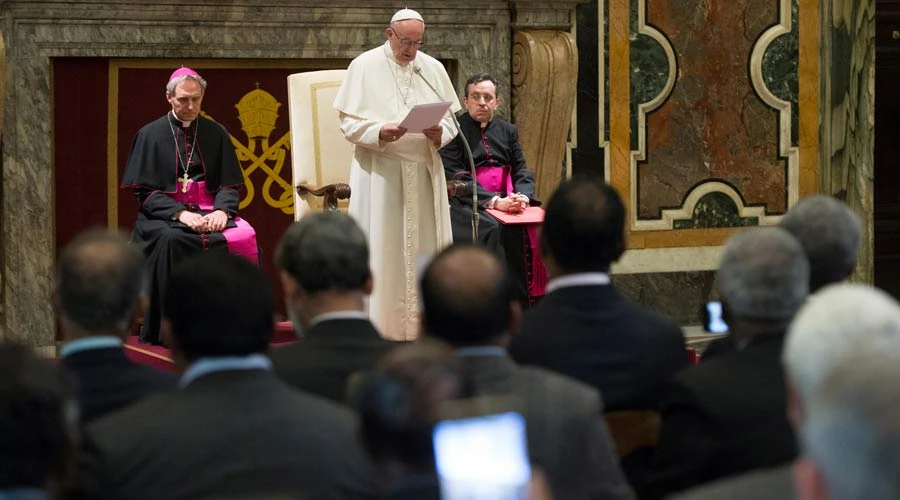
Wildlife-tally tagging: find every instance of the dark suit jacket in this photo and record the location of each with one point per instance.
(329, 353)
(240, 433)
(770, 484)
(725, 416)
(567, 436)
(106, 380)
(593, 334)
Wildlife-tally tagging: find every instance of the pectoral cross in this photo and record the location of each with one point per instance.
(184, 180)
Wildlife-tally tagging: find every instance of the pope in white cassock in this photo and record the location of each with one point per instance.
(399, 195)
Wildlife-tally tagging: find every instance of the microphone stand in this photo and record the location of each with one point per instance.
(417, 70)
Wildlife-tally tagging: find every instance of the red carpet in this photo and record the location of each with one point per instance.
(161, 358)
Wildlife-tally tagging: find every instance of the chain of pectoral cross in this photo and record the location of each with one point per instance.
(185, 164)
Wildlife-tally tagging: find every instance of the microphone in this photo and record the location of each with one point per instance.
(417, 70)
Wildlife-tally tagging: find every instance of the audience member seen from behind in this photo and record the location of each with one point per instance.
(829, 233)
(98, 297)
(233, 428)
(324, 266)
(728, 415)
(398, 406)
(840, 322)
(38, 421)
(851, 436)
(583, 327)
(469, 303)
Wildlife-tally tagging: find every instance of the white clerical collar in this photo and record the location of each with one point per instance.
(578, 279)
(183, 123)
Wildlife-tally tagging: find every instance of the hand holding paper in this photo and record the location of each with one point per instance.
(424, 116)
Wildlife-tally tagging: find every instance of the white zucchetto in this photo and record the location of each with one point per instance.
(405, 14)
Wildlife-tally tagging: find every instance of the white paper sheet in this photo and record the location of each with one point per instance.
(424, 116)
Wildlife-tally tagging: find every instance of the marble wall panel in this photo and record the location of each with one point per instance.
(679, 295)
(713, 124)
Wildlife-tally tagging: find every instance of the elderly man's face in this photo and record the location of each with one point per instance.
(481, 101)
(405, 38)
(186, 100)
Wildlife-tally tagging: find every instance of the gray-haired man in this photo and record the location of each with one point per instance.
(728, 415)
(324, 267)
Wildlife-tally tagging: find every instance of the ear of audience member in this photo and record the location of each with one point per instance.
(98, 296)
(398, 405)
(851, 434)
(217, 305)
(728, 415)
(829, 233)
(468, 303)
(324, 267)
(38, 419)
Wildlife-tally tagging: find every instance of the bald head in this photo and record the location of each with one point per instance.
(99, 282)
(466, 296)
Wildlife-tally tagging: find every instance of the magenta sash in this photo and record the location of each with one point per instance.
(241, 240)
(499, 180)
(496, 179)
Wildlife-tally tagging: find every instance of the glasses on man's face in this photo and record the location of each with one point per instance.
(406, 42)
(488, 98)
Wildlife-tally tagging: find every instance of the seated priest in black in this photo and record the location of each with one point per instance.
(503, 180)
(184, 172)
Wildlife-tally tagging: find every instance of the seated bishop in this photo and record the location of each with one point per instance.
(184, 172)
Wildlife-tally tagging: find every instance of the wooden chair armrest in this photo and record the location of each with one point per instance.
(458, 189)
(331, 192)
(633, 429)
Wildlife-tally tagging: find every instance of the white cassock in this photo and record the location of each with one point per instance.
(398, 191)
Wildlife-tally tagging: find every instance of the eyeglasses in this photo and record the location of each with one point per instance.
(406, 42)
(488, 98)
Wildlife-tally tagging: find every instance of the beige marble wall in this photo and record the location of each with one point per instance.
(474, 35)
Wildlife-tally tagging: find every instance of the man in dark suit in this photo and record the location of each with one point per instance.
(233, 429)
(38, 426)
(97, 298)
(469, 303)
(829, 233)
(728, 415)
(842, 323)
(324, 268)
(583, 328)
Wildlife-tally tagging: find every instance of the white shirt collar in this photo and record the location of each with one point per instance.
(481, 350)
(578, 279)
(214, 364)
(338, 315)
